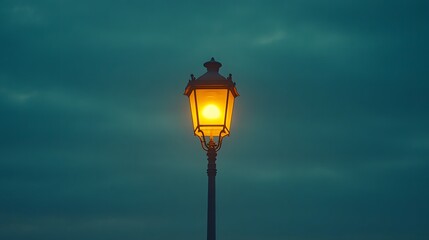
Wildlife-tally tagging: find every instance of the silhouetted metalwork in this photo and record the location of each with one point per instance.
(211, 98)
(211, 207)
(211, 80)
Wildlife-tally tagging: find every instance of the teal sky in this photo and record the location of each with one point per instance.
(330, 136)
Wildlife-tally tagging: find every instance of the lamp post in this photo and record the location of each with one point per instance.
(211, 98)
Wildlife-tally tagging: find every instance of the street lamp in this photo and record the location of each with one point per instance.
(211, 98)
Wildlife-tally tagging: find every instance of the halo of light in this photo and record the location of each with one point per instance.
(211, 111)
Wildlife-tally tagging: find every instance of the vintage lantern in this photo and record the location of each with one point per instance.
(211, 98)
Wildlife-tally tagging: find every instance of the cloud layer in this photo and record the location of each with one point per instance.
(330, 137)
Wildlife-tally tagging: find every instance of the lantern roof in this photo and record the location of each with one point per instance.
(211, 79)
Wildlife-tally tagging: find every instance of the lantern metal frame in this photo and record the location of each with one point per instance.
(211, 80)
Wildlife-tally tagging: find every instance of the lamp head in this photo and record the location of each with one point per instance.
(211, 98)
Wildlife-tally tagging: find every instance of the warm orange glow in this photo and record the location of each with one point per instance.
(211, 111)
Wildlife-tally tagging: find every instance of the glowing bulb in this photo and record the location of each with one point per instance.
(211, 111)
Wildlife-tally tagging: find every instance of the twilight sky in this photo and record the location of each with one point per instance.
(330, 136)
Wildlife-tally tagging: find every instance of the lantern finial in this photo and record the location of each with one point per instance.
(212, 65)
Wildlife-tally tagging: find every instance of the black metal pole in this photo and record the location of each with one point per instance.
(211, 207)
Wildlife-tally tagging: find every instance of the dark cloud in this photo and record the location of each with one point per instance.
(329, 141)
